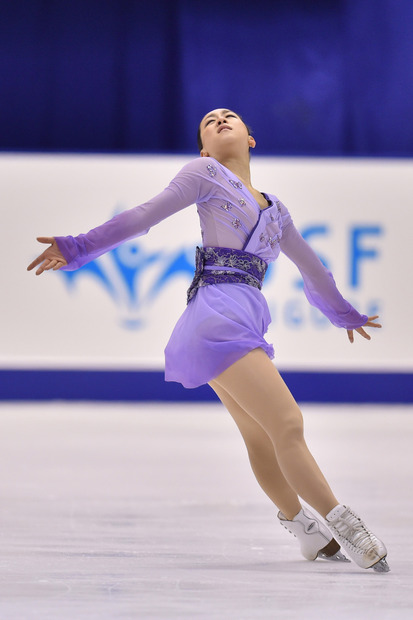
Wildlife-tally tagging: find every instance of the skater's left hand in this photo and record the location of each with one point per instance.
(369, 323)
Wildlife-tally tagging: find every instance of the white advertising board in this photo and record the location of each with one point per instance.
(118, 311)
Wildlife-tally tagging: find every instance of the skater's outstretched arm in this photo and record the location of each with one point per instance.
(320, 287)
(191, 185)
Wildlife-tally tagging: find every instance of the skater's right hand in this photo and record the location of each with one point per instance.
(52, 258)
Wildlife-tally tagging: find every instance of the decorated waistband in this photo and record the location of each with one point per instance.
(250, 268)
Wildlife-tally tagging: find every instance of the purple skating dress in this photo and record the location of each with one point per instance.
(224, 321)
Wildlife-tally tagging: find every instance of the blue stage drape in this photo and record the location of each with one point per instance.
(324, 78)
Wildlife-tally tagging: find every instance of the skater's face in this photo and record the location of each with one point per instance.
(223, 133)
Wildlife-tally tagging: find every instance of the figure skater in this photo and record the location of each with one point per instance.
(219, 339)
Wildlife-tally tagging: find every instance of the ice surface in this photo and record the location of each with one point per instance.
(124, 511)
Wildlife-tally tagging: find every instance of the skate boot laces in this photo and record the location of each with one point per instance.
(352, 529)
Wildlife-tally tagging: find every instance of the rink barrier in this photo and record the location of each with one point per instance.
(112, 385)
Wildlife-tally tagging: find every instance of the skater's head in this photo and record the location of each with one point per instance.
(222, 133)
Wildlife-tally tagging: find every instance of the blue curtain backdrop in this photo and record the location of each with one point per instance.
(311, 77)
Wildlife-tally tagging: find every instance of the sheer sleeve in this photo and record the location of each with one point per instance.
(189, 186)
(319, 285)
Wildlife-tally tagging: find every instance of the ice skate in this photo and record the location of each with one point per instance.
(362, 545)
(314, 537)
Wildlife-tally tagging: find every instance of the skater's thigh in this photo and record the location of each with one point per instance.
(255, 384)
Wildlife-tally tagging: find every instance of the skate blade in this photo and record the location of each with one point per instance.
(381, 566)
(336, 557)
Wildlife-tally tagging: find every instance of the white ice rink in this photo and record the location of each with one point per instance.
(124, 511)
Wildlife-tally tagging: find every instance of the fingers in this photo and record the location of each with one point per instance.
(49, 264)
(370, 322)
(43, 267)
(40, 258)
(45, 239)
(46, 260)
(361, 331)
(36, 261)
(46, 264)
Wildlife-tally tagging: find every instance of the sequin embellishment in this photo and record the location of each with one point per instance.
(236, 184)
(278, 203)
(236, 223)
(273, 241)
(211, 170)
(242, 202)
(226, 206)
(262, 237)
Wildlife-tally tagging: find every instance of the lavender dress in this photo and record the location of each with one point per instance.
(223, 321)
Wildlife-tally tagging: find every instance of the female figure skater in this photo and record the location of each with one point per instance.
(219, 339)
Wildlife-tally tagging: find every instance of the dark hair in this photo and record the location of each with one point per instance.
(198, 136)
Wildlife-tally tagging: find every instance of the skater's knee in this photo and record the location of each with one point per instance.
(257, 441)
(290, 432)
(260, 447)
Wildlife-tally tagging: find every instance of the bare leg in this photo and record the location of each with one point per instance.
(262, 457)
(257, 388)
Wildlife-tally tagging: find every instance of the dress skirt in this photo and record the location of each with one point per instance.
(221, 324)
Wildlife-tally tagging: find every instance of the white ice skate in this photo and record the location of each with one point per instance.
(315, 539)
(362, 545)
